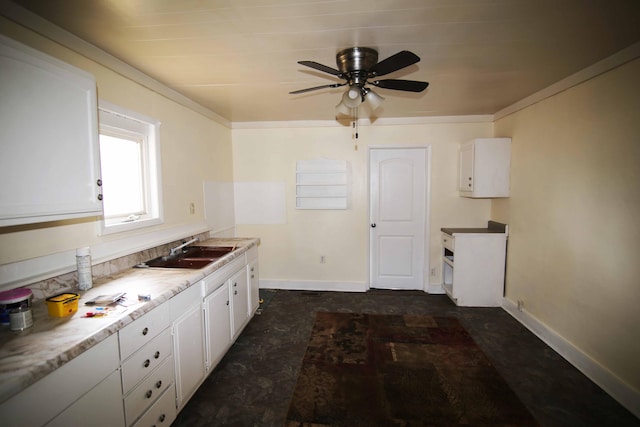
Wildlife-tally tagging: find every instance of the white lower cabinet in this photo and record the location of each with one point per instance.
(103, 404)
(188, 342)
(146, 363)
(253, 276)
(473, 267)
(88, 384)
(238, 286)
(217, 324)
(161, 413)
(146, 373)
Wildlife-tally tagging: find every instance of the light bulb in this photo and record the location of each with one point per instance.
(352, 98)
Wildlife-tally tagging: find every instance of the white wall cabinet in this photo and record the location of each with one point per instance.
(485, 165)
(473, 268)
(50, 163)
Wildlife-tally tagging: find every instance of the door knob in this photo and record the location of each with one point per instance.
(373, 225)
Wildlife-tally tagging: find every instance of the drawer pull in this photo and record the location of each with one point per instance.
(145, 331)
(156, 355)
(148, 394)
(162, 418)
(159, 384)
(252, 269)
(235, 284)
(235, 292)
(252, 276)
(227, 302)
(146, 363)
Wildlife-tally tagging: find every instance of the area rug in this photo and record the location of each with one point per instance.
(391, 370)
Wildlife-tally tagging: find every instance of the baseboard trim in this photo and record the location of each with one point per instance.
(613, 385)
(309, 285)
(436, 289)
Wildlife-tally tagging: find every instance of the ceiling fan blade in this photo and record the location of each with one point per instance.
(406, 85)
(309, 89)
(320, 67)
(394, 62)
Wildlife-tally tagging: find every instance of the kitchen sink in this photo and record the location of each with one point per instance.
(192, 257)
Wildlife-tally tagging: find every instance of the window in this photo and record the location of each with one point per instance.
(130, 163)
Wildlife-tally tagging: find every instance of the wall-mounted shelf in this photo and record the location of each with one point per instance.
(322, 184)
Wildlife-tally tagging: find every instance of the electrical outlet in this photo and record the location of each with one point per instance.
(322, 259)
(433, 272)
(192, 208)
(520, 305)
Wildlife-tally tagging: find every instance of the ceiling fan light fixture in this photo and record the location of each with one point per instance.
(343, 109)
(353, 97)
(373, 100)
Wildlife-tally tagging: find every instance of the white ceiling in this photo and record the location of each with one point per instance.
(239, 58)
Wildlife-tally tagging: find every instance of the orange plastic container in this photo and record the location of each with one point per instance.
(63, 305)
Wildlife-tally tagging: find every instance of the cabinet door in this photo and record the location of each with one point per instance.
(50, 164)
(218, 325)
(466, 167)
(254, 284)
(189, 353)
(238, 287)
(102, 405)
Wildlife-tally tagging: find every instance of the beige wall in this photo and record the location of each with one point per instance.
(193, 148)
(291, 251)
(574, 216)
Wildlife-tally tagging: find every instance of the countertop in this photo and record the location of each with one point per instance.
(492, 227)
(29, 355)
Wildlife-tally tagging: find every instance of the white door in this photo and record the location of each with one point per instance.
(398, 183)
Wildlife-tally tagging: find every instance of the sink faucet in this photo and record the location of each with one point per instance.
(177, 248)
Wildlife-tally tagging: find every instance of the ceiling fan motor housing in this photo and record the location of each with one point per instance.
(355, 62)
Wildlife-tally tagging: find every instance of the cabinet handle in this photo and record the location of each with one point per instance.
(235, 292)
(146, 363)
(469, 184)
(148, 394)
(156, 355)
(235, 284)
(373, 225)
(162, 418)
(99, 183)
(227, 302)
(252, 269)
(145, 331)
(252, 276)
(99, 196)
(159, 384)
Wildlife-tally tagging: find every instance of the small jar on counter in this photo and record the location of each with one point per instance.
(20, 318)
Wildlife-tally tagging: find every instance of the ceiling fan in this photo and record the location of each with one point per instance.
(358, 66)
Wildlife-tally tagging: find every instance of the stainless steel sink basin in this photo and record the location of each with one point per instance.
(192, 257)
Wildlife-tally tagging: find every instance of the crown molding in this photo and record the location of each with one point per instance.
(385, 121)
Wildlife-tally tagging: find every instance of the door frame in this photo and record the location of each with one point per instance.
(427, 210)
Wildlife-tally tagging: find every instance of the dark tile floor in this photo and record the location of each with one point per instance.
(254, 382)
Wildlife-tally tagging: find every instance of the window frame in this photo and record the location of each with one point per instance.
(117, 121)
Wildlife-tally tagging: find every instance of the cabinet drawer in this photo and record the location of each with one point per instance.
(448, 242)
(162, 413)
(143, 330)
(148, 391)
(145, 360)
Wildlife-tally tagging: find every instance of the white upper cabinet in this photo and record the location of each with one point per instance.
(49, 159)
(485, 167)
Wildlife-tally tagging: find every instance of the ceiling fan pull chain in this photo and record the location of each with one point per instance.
(355, 128)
